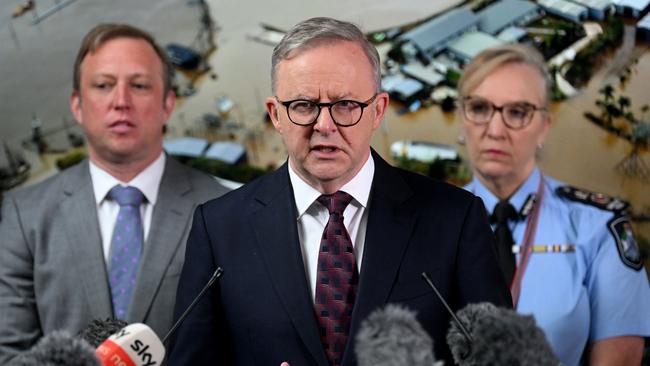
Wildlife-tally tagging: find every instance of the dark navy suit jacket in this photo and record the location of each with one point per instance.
(261, 311)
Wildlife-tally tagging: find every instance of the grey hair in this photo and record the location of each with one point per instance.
(493, 58)
(317, 31)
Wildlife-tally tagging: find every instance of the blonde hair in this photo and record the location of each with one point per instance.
(493, 58)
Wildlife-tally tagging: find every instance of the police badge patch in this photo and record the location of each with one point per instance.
(628, 249)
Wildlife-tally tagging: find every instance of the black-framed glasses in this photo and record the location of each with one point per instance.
(515, 115)
(344, 113)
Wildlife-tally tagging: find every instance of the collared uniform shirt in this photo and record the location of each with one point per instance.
(581, 296)
(312, 217)
(147, 181)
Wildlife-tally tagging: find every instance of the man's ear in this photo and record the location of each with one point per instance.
(75, 106)
(168, 104)
(273, 110)
(380, 105)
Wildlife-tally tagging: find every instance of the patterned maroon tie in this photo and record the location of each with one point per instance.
(336, 279)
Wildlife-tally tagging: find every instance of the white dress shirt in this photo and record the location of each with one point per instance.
(313, 217)
(147, 181)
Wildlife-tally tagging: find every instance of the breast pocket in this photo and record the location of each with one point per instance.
(413, 286)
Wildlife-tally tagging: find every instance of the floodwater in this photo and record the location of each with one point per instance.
(36, 68)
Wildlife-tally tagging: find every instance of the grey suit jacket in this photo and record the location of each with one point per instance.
(52, 270)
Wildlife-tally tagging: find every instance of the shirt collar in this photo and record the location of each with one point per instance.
(147, 181)
(517, 200)
(358, 187)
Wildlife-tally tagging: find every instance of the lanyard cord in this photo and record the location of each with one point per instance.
(527, 244)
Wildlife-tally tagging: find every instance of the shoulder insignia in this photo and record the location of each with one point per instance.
(598, 200)
(628, 249)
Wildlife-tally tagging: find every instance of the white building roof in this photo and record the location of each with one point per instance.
(565, 7)
(644, 22)
(226, 151)
(425, 152)
(472, 43)
(185, 146)
(634, 4)
(511, 34)
(595, 4)
(422, 73)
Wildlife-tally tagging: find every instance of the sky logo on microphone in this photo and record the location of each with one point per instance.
(134, 345)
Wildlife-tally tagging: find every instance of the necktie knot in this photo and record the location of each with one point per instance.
(503, 212)
(126, 196)
(336, 202)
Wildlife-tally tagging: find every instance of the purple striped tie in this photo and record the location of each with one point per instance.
(336, 279)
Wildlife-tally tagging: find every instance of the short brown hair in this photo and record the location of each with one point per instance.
(493, 58)
(103, 33)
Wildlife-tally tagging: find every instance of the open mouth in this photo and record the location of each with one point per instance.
(325, 149)
(121, 126)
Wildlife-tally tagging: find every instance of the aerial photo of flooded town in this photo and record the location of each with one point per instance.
(597, 50)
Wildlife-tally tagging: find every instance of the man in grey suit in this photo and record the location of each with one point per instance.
(71, 250)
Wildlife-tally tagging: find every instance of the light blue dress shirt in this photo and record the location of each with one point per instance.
(581, 296)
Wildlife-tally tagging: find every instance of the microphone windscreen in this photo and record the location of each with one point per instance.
(59, 348)
(98, 331)
(393, 337)
(135, 344)
(500, 337)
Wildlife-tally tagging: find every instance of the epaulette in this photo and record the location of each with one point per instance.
(599, 200)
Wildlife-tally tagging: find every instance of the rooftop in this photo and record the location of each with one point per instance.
(503, 13)
(564, 6)
(440, 28)
(472, 43)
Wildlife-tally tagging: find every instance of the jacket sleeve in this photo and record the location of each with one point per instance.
(19, 324)
(200, 339)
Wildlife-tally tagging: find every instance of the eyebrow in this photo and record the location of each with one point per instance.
(508, 103)
(344, 96)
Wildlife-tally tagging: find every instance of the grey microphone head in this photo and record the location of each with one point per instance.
(97, 331)
(501, 337)
(59, 348)
(393, 337)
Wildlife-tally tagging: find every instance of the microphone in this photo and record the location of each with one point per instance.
(392, 336)
(501, 337)
(58, 348)
(215, 276)
(451, 312)
(98, 331)
(134, 345)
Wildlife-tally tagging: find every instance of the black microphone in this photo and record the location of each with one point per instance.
(215, 276)
(451, 312)
(501, 337)
(58, 348)
(392, 336)
(97, 331)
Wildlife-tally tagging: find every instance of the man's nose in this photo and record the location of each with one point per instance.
(122, 96)
(325, 122)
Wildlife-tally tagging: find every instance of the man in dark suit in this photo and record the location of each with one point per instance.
(309, 251)
(70, 249)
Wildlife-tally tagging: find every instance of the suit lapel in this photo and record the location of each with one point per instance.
(169, 221)
(82, 227)
(277, 237)
(389, 228)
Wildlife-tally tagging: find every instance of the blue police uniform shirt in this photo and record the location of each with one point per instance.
(579, 296)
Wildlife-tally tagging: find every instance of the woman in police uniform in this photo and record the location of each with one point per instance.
(568, 253)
